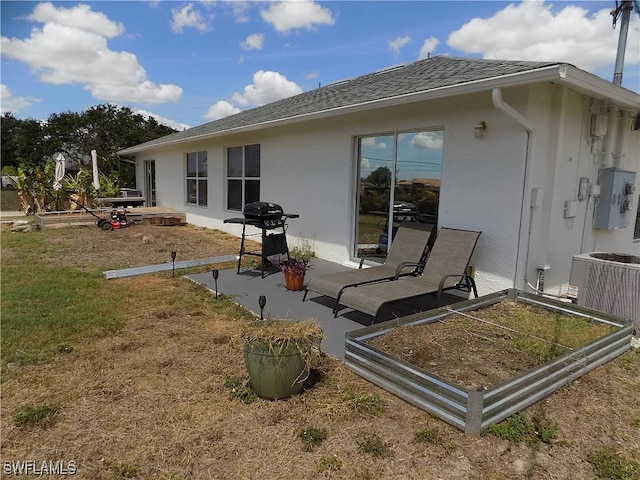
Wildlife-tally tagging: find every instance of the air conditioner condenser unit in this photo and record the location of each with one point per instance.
(608, 282)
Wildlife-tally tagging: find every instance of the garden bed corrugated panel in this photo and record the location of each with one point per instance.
(473, 410)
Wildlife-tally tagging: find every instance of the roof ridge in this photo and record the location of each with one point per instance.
(396, 81)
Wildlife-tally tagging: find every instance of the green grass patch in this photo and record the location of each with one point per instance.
(36, 416)
(430, 436)
(374, 445)
(9, 199)
(370, 227)
(607, 463)
(519, 428)
(433, 438)
(53, 306)
(44, 307)
(544, 429)
(311, 437)
(365, 403)
(240, 389)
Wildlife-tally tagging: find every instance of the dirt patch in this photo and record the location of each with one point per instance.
(137, 246)
(490, 345)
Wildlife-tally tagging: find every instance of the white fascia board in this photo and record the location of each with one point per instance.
(599, 88)
(561, 73)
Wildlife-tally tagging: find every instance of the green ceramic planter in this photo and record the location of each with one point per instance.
(274, 372)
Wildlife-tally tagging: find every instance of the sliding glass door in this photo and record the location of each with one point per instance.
(398, 180)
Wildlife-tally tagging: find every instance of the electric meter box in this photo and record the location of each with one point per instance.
(617, 194)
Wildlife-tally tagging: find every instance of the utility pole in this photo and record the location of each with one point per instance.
(622, 10)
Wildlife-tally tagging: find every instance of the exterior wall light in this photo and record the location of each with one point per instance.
(478, 130)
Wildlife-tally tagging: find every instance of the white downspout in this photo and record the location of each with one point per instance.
(499, 103)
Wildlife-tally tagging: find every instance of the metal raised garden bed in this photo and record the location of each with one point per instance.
(472, 410)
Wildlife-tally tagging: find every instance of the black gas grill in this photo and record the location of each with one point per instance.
(267, 215)
(271, 220)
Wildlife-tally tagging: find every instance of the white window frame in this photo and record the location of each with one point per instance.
(200, 178)
(243, 177)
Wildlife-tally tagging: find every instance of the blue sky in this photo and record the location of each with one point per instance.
(187, 63)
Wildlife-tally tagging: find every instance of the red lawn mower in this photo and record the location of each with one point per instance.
(118, 219)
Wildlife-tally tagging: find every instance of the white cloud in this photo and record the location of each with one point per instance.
(254, 42)
(428, 140)
(371, 143)
(531, 31)
(292, 15)
(240, 11)
(220, 109)
(428, 47)
(80, 17)
(187, 17)
(11, 103)
(163, 120)
(396, 44)
(61, 53)
(312, 75)
(267, 87)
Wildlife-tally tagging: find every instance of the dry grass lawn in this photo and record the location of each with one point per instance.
(151, 400)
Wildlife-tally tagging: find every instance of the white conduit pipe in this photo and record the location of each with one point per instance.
(501, 105)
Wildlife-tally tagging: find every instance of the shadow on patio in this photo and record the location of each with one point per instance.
(248, 286)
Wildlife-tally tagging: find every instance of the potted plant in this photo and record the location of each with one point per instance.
(279, 354)
(294, 270)
(295, 267)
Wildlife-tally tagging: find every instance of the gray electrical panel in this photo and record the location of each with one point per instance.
(617, 189)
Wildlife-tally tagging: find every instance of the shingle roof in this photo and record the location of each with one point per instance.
(420, 76)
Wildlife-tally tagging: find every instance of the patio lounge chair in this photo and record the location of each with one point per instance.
(406, 256)
(446, 269)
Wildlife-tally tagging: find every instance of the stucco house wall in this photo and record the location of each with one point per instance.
(567, 152)
(310, 168)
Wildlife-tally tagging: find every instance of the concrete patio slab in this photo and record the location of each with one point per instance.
(247, 287)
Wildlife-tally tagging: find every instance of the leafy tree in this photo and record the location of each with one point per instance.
(32, 144)
(29, 143)
(10, 125)
(374, 191)
(380, 177)
(64, 133)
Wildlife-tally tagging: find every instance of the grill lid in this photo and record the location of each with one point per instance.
(262, 211)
